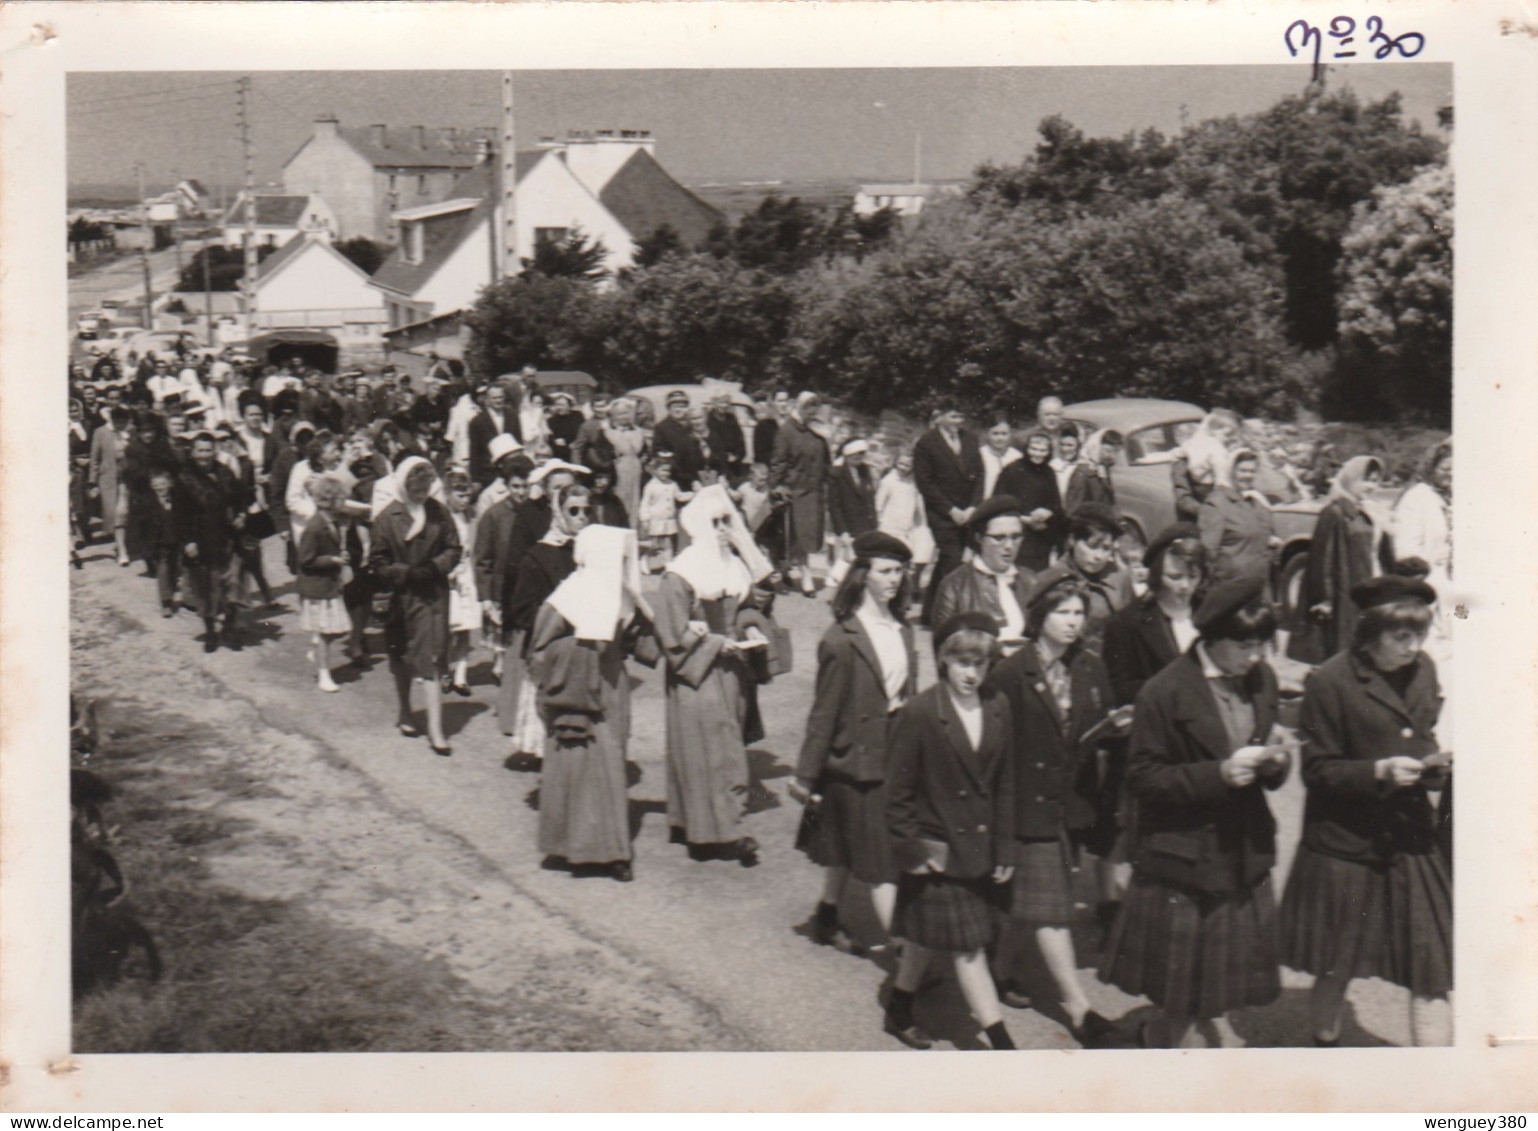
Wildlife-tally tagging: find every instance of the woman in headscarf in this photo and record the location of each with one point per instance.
(1236, 524)
(696, 609)
(1342, 554)
(1369, 895)
(1032, 484)
(799, 472)
(543, 566)
(577, 659)
(415, 548)
(629, 444)
(148, 449)
(322, 456)
(1423, 528)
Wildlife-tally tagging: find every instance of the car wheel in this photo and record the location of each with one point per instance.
(1292, 582)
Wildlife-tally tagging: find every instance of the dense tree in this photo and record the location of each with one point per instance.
(526, 320)
(1396, 303)
(782, 235)
(366, 253)
(574, 256)
(226, 266)
(664, 240)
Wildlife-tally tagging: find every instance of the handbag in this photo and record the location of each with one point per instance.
(259, 525)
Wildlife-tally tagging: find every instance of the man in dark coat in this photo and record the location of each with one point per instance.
(493, 420)
(770, 408)
(675, 436)
(728, 446)
(852, 493)
(799, 473)
(948, 471)
(210, 507)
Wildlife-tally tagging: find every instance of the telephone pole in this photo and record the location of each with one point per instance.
(509, 233)
(144, 250)
(248, 237)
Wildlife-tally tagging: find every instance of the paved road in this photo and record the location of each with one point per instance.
(724, 937)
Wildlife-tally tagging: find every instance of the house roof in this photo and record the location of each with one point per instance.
(272, 211)
(401, 153)
(292, 250)
(643, 196)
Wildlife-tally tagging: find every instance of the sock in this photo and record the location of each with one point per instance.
(827, 914)
(900, 1008)
(998, 1036)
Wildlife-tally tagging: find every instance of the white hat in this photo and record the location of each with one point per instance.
(551, 465)
(503, 444)
(855, 447)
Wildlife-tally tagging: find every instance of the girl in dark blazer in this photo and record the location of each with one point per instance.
(951, 811)
(415, 547)
(1063, 712)
(322, 562)
(1145, 637)
(1197, 930)
(1370, 894)
(866, 670)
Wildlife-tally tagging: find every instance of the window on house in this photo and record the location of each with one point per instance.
(549, 235)
(392, 182)
(421, 184)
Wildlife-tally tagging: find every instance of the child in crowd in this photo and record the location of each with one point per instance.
(1130, 548)
(323, 571)
(753, 498)
(659, 515)
(165, 551)
(1205, 451)
(464, 603)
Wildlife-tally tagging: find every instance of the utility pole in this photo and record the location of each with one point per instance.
(208, 295)
(144, 250)
(509, 233)
(248, 237)
(918, 156)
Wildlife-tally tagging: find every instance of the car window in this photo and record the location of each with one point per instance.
(1147, 442)
(1185, 429)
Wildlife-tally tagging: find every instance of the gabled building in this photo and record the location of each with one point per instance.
(609, 186)
(367, 173)
(308, 284)
(906, 200)
(279, 218)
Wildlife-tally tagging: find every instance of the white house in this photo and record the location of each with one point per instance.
(308, 284)
(905, 199)
(279, 218)
(615, 192)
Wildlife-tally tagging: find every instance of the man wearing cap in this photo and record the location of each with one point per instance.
(799, 473)
(673, 435)
(948, 471)
(994, 583)
(492, 421)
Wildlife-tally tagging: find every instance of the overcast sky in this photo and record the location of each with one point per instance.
(710, 125)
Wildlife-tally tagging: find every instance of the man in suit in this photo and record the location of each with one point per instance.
(492, 421)
(948, 471)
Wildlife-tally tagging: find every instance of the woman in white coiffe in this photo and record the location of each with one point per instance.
(1422, 527)
(707, 673)
(577, 659)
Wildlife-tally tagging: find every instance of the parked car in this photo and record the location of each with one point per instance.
(1145, 493)
(655, 398)
(92, 323)
(110, 339)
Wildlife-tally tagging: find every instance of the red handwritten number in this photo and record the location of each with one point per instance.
(1389, 44)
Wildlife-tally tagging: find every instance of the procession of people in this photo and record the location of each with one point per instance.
(1099, 706)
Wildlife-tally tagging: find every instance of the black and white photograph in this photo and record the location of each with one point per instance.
(767, 558)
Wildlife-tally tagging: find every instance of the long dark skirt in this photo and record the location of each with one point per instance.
(848, 830)
(1195, 955)
(1393, 922)
(943, 913)
(417, 633)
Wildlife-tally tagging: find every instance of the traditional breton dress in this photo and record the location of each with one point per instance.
(1197, 931)
(866, 670)
(1370, 895)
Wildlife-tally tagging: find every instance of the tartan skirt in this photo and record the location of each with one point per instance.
(1392, 921)
(848, 830)
(941, 912)
(1042, 890)
(1195, 955)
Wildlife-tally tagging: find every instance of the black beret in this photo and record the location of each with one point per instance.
(1227, 597)
(1390, 588)
(677, 396)
(879, 544)
(1171, 534)
(991, 509)
(977, 621)
(1046, 581)
(1097, 514)
(249, 397)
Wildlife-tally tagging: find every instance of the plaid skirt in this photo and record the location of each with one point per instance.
(944, 913)
(848, 830)
(1042, 890)
(1195, 955)
(1393, 922)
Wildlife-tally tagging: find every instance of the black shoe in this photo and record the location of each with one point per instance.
(1094, 1032)
(909, 1034)
(832, 934)
(210, 642)
(746, 852)
(622, 871)
(462, 689)
(232, 639)
(168, 610)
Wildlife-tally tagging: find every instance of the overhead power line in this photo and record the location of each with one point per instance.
(131, 95)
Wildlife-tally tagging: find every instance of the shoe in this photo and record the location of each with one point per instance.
(910, 1035)
(232, 639)
(1014, 997)
(210, 642)
(124, 562)
(462, 689)
(326, 683)
(1326, 1042)
(168, 610)
(622, 871)
(1093, 1032)
(746, 852)
(832, 934)
(442, 751)
(409, 730)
